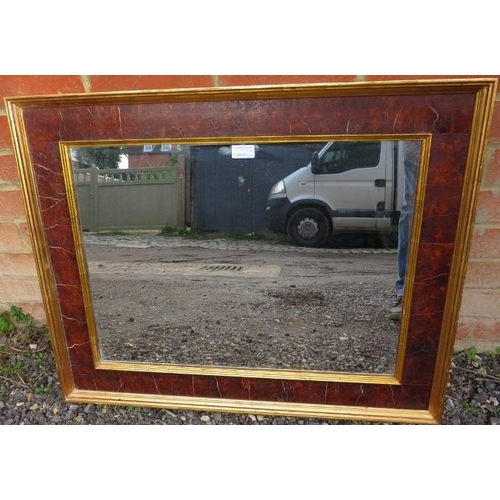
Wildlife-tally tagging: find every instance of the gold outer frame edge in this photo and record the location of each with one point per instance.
(271, 408)
(286, 91)
(485, 101)
(40, 247)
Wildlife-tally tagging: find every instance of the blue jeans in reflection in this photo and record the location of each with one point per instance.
(405, 223)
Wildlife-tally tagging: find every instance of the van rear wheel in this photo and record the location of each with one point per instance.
(308, 227)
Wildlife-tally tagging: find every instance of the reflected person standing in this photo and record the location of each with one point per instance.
(411, 159)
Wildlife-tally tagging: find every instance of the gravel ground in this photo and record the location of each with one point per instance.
(30, 395)
(321, 310)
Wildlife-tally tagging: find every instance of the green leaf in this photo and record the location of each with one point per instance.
(5, 325)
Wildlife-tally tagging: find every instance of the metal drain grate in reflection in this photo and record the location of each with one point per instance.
(216, 268)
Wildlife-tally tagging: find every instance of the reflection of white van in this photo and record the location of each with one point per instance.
(353, 186)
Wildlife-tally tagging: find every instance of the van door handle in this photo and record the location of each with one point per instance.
(380, 183)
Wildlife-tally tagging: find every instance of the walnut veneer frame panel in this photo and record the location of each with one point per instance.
(450, 116)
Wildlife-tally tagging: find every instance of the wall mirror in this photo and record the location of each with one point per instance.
(449, 119)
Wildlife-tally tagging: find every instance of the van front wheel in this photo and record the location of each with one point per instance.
(308, 227)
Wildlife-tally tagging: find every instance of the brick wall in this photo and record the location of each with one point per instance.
(480, 312)
(479, 323)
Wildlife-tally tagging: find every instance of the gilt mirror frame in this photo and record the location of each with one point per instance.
(451, 117)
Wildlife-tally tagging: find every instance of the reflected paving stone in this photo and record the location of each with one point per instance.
(220, 244)
(159, 268)
(133, 245)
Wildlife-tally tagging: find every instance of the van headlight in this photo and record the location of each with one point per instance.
(278, 188)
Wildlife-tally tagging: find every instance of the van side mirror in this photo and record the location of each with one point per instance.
(315, 163)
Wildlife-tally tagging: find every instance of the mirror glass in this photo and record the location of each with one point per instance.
(273, 255)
